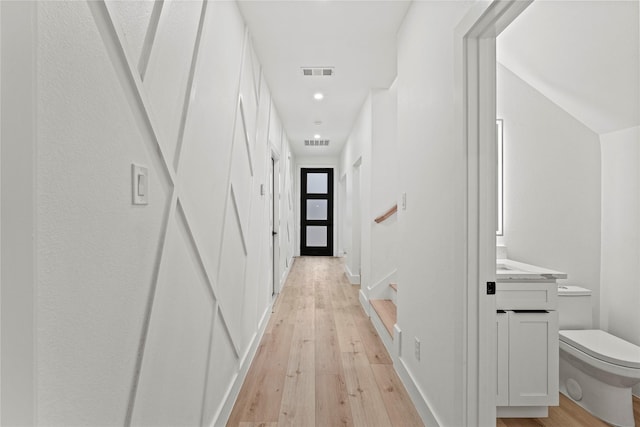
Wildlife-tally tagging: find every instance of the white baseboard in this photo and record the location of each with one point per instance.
(364, 302)
(382, 332)
(354, 279)
(222, 417)
(397, 343)
(285, 274)
(417, 397)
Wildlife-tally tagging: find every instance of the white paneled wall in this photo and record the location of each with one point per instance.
(151, 314)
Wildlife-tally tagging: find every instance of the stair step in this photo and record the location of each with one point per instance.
(394, 286)
(387, 312)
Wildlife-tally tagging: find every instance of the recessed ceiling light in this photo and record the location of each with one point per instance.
(316, 136)
(318, 96)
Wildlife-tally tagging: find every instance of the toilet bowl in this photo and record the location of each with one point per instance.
(597, 369)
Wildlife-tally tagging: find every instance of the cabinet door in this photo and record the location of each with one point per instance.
(502, 386)
(533, 358)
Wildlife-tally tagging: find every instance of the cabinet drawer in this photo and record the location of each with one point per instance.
(526, 295)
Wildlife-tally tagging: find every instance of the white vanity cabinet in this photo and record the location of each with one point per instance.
(527, 345)
(527, 358)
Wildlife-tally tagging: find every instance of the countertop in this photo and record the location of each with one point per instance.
(507, 269)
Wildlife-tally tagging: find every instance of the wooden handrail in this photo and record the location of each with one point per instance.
(387, 214)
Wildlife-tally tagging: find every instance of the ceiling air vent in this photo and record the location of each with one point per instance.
(318, 71)
(316, 142)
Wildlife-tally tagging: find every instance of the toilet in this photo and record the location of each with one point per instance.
(597, 369)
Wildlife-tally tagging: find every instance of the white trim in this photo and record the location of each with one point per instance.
(364, 302)
(19, 209)
(384, 335)
(397, 343)
(222, 416)
(354, 279)
(285, 274)
(476, 115)
(224, 411)
(418, 398)
(384, 283)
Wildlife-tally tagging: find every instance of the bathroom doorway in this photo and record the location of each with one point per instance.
(477, 119)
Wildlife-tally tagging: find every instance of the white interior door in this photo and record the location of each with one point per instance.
(354, 256)
(274, 219)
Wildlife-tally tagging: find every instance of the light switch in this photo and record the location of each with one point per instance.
(140, 181)
(142, 185)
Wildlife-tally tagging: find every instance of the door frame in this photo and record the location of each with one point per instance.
(476, 115)
(330, 223)
(275, 226)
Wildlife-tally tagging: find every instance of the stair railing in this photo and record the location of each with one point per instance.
(387, 214)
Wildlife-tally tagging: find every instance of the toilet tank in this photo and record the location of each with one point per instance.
(574, 307)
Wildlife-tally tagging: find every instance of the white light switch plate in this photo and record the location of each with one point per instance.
(140, 184)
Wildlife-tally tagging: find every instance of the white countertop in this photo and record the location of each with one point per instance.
(507, 269)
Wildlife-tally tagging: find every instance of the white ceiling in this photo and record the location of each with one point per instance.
(358, 38)
(582, 55)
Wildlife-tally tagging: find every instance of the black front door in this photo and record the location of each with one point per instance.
(316, 207)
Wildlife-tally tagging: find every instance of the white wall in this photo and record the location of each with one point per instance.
(431, 270)
(370, 171)
(131, 299)
(620, 273)
(551, 185)
(355, 166)
(384, 186)
(18, 244)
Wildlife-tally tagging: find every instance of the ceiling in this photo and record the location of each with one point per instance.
(582, 55)
(356, 38)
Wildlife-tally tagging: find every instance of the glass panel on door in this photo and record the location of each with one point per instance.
(317, 183)
(316, 236)
(317, 209)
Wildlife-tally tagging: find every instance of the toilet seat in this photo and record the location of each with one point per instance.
(603, 346)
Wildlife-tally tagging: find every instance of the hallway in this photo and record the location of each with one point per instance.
(320, 361)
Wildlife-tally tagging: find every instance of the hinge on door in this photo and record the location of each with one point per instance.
(491, 288)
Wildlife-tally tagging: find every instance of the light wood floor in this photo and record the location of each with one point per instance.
(568, 414)
(320, 361)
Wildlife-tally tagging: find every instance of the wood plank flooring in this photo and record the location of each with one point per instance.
(321, 362)
(568, 414)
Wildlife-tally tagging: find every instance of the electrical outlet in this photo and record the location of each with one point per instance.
(417, 348)
(404, 201)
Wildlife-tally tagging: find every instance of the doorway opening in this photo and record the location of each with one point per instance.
(272, 216)
(316, 208)
(477, 117)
